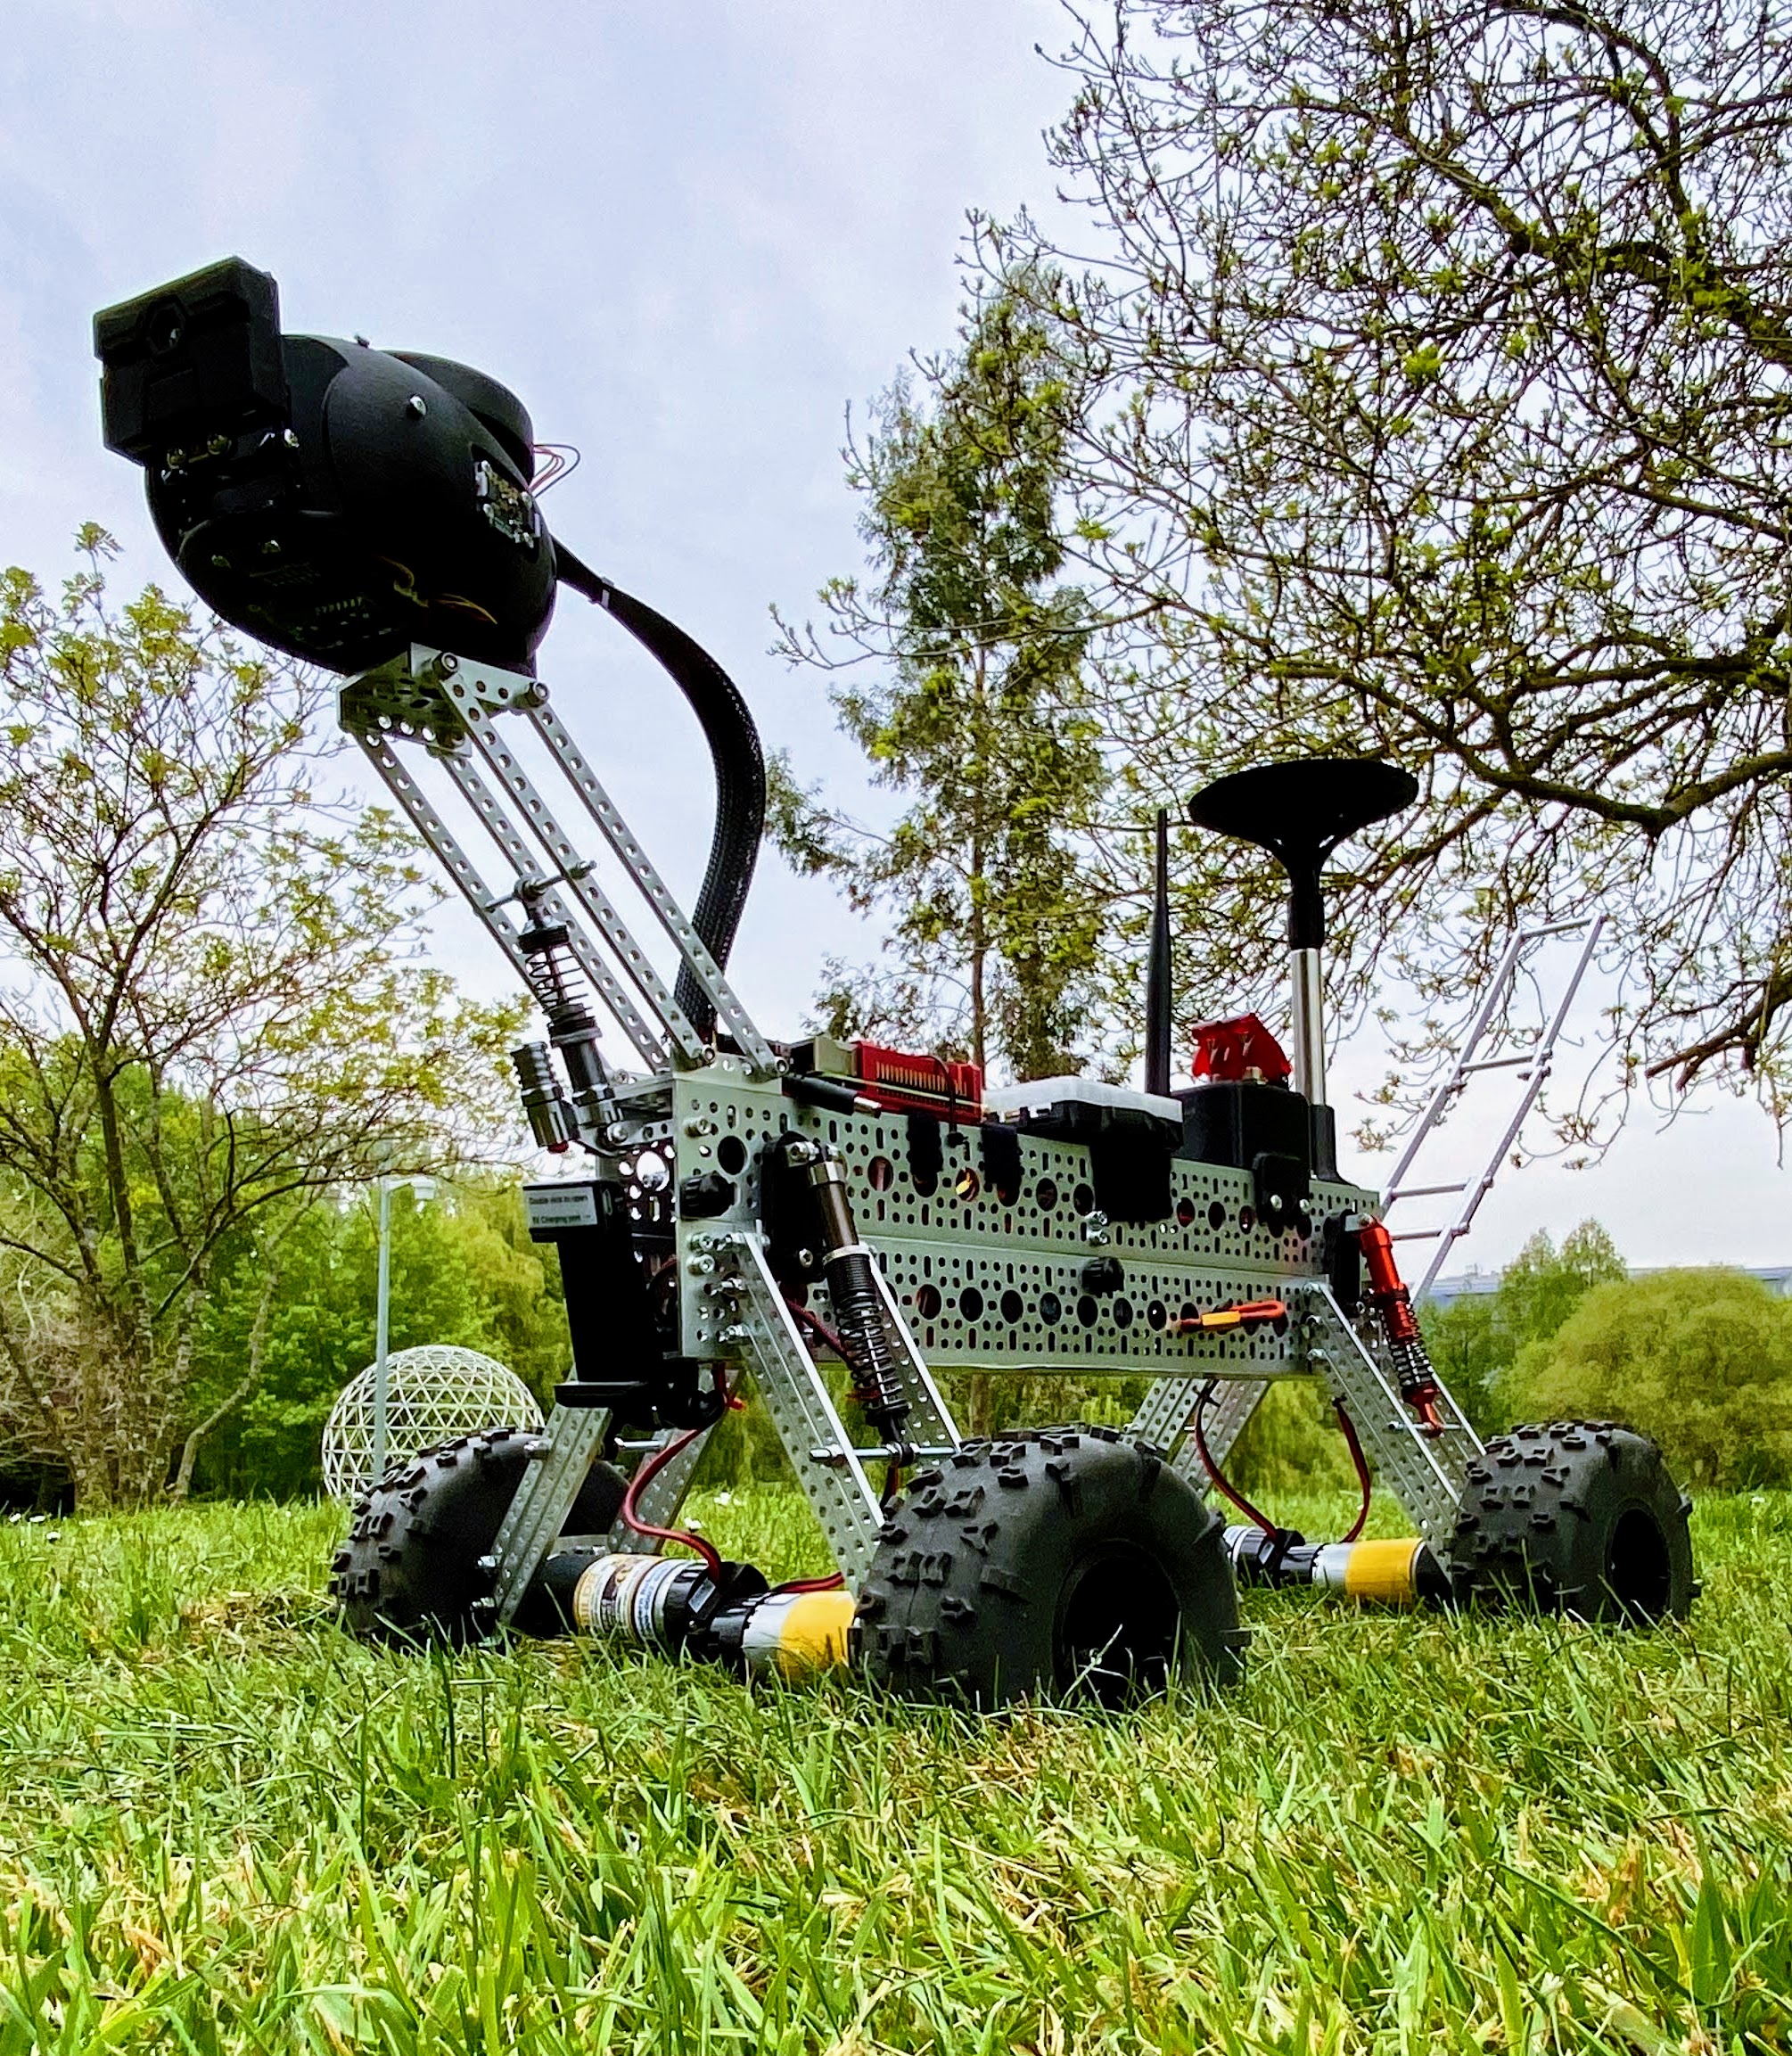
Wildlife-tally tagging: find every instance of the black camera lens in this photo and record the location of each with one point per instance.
(165, 327)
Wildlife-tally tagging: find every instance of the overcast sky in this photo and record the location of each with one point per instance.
(688, 234)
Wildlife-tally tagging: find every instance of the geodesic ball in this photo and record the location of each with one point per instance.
(434, 1392)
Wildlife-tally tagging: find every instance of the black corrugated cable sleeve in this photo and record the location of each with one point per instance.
(739, 762)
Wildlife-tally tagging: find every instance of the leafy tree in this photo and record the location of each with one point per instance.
(1466, 1345)
(1542, 1286)
(206, 1017)
(1701, 1359)
(1439, 366)
(975, 713)
(463, 1270)
(1475, 1339)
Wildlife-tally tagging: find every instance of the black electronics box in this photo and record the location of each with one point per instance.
(1236, 1120)
(193, 361)
(1130, 1154)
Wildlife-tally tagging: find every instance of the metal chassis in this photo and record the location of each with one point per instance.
(692, 1109)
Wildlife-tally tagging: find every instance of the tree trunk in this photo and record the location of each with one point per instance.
(182, 1482)
(981, 1410)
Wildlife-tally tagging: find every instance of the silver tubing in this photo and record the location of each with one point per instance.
(1309, 1024)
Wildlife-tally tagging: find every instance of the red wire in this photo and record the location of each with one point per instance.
(814, 1322)
(1361, 1463)
(1219, 1478)
(642, 1477)
(811, 1320)
(829, 1584)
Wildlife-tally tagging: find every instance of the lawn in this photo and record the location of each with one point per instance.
(226, 1827)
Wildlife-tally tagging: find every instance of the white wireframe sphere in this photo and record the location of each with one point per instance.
(434, 1392)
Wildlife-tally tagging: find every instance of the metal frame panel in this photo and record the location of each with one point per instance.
(1166, 1414)
(763, 1334)
(568, 1444)
(1014, 1254)
(1425, 1471)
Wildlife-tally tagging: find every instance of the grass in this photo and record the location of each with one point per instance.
(224, 1827)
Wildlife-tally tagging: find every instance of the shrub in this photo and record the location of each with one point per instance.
(1701, 1359)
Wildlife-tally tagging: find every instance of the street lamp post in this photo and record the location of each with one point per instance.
(421, 1188)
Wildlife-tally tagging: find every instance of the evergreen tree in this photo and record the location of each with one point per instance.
(975, 713)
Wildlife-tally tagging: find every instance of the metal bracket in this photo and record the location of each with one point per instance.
(569, 1443)
(1426, 1471)
(797, 1399)
(659, 1504)
(1166, 1414)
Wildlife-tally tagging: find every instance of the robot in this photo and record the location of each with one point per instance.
(836, 1224)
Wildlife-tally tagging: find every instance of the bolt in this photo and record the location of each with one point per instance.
(699, 1126)
(535, 696)
(487, 1567)
(417, 406)
(446, 664)
(701, 1266)
(735, 1337)
(536, 1449)
(271, 548)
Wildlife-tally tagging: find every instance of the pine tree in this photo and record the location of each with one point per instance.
(976, 714)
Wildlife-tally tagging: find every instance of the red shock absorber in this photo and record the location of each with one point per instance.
(1393, 1302)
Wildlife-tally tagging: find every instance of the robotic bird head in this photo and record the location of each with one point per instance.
(336, 501)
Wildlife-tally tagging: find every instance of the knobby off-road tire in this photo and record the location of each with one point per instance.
(1057, 1562)
(1576, 1517)
(413, 1567)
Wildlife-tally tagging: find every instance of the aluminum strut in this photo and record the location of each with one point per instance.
(790, 1383)
(451, 705)
(1425, 1470)
(1167, 1412)
(563, 1455)
(658, 1505)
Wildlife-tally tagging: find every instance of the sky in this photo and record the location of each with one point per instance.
(688, 234)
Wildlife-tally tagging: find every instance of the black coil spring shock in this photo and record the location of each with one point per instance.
(858, 1305)
(564, 995)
